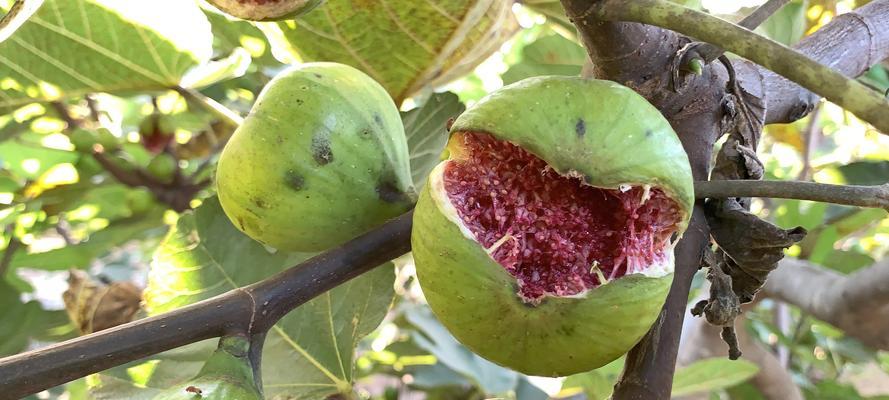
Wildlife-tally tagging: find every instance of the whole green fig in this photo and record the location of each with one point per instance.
(226, 375)
(544, 242)
(265, 10)
(321, 158)
(163, 167)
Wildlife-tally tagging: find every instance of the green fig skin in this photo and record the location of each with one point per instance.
(163, 166)
(321, 158)
(599, 131)
(290, 9)
(226, 375)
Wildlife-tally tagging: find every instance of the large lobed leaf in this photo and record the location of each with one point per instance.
(73, 47)
(309, 353)
(403, 44)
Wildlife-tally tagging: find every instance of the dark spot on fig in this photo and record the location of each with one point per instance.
(279, 140)
(567, 330)
(241, 223)
(378, 119)
(294, 180)
(299, 102)
(260, 202)
(388, 192)
(648, 133)
(580, 127)
(321, 149)
(317, 75)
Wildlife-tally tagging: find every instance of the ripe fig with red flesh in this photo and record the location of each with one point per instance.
(544, 241)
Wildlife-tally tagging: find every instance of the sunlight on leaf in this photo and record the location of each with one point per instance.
(712, 374)
(205, 255)
(73, 47)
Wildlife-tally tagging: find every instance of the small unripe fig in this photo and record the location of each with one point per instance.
(265, 10)
(226, 375)
(84, 140)
(321, 158)
(140, 200)
(163, 166)
(544, 242)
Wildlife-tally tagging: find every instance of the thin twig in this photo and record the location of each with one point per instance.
(13, 245)
(851, 195)
(709, 52)
(810, 140)
(93, 107)
(225, 114)
(66, 116)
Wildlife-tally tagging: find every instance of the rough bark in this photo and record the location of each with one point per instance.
(851, 43)
(857, 303)
(640, 56)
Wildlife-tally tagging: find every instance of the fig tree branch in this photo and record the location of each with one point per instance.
(641, 56)
(850, 94)
(851, 195)
(851, 43)
(857, 303)
(708, 52)
(251, 310)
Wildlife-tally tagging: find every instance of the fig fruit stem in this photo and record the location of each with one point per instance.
(222, 112)
(852, 95)
(251, 310)
(851, 195)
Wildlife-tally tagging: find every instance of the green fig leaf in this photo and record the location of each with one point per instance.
(548, 55)
(66, 48)
(711, 374)
(80, 255)
(230, 34)
(404, 45)
(427, 132)
(205, 255)
(434, 338)
(145, 379)
(787, 25)
(22, 321)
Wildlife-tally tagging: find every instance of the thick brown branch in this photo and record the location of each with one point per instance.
(263, 303)
(852, 95)
(850, 44)
(857, 303)
(862, 196)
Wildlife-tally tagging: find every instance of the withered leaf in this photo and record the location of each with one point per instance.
(94, 306)
(752, 246)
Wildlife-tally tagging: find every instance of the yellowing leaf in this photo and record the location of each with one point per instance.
(403, 44)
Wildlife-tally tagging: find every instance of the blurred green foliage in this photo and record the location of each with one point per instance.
(61, 208)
